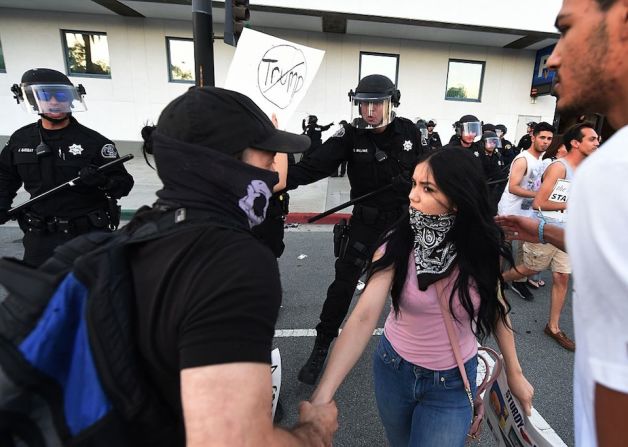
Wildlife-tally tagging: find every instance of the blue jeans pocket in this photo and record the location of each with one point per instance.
(452, 380)
(387, 354)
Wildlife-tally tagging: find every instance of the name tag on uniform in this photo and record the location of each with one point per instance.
(560, 193)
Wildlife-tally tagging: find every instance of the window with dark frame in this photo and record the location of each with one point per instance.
(379, 63)
(180, 53)
(464, 80)
(86, 53)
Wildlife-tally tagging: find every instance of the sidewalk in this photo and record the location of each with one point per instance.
(305, 201)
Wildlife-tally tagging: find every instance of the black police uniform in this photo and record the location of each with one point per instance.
(475, 147)
(496, 173)
(398, 148)
(508, 151)
(525, 142)
(71, 212)
(314, 131)
(434, 141)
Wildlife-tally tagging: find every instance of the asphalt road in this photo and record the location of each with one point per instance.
(547, 366)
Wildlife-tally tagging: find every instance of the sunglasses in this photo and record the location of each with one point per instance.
(59, 95)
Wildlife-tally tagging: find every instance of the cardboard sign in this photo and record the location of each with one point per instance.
(275, 372)
(275, 73)
(560, 193)
(509, 425)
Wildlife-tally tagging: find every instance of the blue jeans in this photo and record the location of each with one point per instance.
(419, 406)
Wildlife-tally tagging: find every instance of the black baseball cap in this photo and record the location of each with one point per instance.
(531, 124)
(225, 121)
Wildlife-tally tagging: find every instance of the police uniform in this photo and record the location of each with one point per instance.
(496, 173)
(434, 141)
(476, 148)
(525, 142)
(397, 148)
(314, 131)
(509, 152)
(78, 209)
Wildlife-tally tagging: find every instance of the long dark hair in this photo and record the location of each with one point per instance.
(479, 241)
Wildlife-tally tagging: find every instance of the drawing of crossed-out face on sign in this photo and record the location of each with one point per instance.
(281, 73)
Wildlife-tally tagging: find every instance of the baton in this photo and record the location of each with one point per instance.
(67, 184)
(349, 203)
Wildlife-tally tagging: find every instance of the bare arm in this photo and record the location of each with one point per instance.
(355, 335)
(280, 166)
(611, 408)
(230, 404)
(517, 171)
(519, 228)
(517, 382)
(542, 200)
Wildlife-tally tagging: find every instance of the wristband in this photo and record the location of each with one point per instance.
(541, 226)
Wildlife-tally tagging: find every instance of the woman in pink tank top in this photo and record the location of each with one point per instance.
(447, 243)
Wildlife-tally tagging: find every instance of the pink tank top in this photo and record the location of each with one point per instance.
(418, 333)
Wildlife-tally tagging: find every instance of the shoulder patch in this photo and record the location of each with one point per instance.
(339, 133)
(109, 151)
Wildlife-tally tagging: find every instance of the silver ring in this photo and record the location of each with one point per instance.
(516, 233)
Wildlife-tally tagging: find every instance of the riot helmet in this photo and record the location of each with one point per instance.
(431, 123)
(500, 130)
(468, 128)
(422, 126)
(491, 141)
(373, 101)
(488, 127)
(312, 119)
(49, 92)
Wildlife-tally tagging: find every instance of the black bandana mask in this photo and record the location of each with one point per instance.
(434, 253)
(198, 177)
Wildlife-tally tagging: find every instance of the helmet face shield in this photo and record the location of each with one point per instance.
(492, 143)
(471, 128)
(371, 111)
(52, 99)
(499, 132)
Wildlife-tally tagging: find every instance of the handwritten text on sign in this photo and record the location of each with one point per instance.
(281, 74)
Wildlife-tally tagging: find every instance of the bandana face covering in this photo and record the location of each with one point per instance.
(434, 254)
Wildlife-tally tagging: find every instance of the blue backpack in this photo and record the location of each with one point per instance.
(70, 374)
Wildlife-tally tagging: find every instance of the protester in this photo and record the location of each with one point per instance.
(207, 298)
(447, 243)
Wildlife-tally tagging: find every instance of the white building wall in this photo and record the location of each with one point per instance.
(139, 87)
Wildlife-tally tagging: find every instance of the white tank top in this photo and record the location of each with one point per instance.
(560, 193)
(522, 206)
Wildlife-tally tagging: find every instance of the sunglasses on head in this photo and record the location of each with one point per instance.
(59, 95)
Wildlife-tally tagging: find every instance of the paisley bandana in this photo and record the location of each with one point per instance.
(434, 254)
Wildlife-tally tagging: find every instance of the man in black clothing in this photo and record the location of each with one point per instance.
(53, 151)
(208, 295)
(468, 132)
(314, 131)
(508, 151)
(433, 136)
(381, 150)
(526, 141)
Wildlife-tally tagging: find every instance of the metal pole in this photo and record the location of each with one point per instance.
(203, 42)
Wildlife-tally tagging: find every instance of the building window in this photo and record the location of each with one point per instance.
(464, 80)
(87, 53)
(379, 63)
(180, 59)
(3, 68)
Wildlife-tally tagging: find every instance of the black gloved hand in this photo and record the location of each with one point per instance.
(4, 216)
(91, 177)
(402, 183)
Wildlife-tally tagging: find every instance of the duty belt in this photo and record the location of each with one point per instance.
(94, 220)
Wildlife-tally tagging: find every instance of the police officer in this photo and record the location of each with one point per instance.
(53, 151)
(508, 151)
(433, 136)
(526, 141)
(493, 164)
(314, 131)
(468, 131)
(381, 149)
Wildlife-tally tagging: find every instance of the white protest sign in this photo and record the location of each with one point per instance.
(273, 72)
(560, 193)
